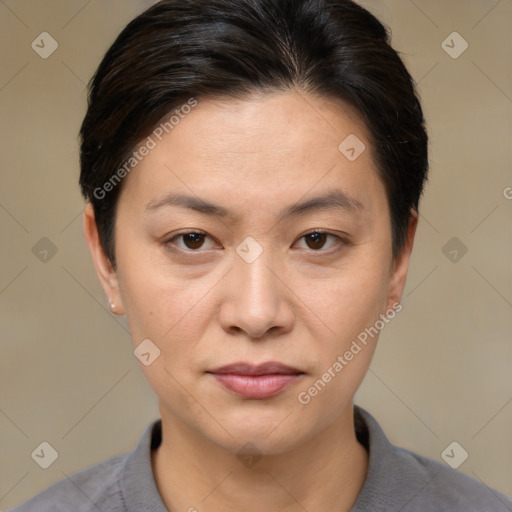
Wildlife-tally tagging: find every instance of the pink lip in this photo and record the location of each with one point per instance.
(257, 382)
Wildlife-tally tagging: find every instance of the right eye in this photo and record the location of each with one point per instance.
(192, 240)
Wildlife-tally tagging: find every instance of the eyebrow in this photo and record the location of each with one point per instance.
(333, 200)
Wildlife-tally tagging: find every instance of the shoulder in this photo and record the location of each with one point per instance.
(96, 487)
(439, 487)
(118, 484)
(399, 479)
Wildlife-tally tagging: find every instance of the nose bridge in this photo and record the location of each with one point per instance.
(256, 285)
(257, 302)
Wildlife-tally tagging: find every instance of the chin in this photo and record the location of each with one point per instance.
(265, 432)
(247, 441)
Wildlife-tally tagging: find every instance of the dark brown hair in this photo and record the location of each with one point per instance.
(182, 49)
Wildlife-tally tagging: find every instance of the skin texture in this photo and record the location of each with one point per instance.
(301, 302)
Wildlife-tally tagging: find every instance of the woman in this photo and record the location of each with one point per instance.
(253, 171)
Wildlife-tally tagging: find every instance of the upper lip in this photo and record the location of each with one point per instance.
(269, 368)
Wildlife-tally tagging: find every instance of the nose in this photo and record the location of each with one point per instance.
(256, 300)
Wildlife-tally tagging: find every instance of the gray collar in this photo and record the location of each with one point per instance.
(138, 486)
(397, 479)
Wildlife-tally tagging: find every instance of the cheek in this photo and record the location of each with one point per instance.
(172, 315)
(355, 297)
(159, 298)
(350, 307)
(351, 312)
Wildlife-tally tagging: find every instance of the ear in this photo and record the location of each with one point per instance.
(401, 265)
(104, 269)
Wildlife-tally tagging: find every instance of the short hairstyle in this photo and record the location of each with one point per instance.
(182, 49)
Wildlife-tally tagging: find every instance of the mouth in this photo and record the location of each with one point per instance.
(256, 381)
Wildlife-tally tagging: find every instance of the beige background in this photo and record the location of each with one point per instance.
(442, 372)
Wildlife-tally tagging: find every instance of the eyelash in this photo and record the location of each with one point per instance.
(169, 241)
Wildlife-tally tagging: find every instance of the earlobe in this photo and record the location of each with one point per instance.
(401, 265)
(104, 269)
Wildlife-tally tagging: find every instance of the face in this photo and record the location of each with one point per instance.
(244, 237)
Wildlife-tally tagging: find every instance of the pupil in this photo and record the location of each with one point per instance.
(194, 239)
(317, 237)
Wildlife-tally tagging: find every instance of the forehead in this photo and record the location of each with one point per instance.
(290, 126)
(265, 146)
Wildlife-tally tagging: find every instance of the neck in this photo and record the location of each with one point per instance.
(325, 473)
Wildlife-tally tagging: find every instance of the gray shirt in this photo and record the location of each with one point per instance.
(397, 480)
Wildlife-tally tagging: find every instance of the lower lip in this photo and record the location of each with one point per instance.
(256, 386)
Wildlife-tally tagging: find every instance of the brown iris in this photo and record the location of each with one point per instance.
(193, 240)
(318, 240)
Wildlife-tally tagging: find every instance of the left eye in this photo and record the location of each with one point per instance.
(316, 240)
